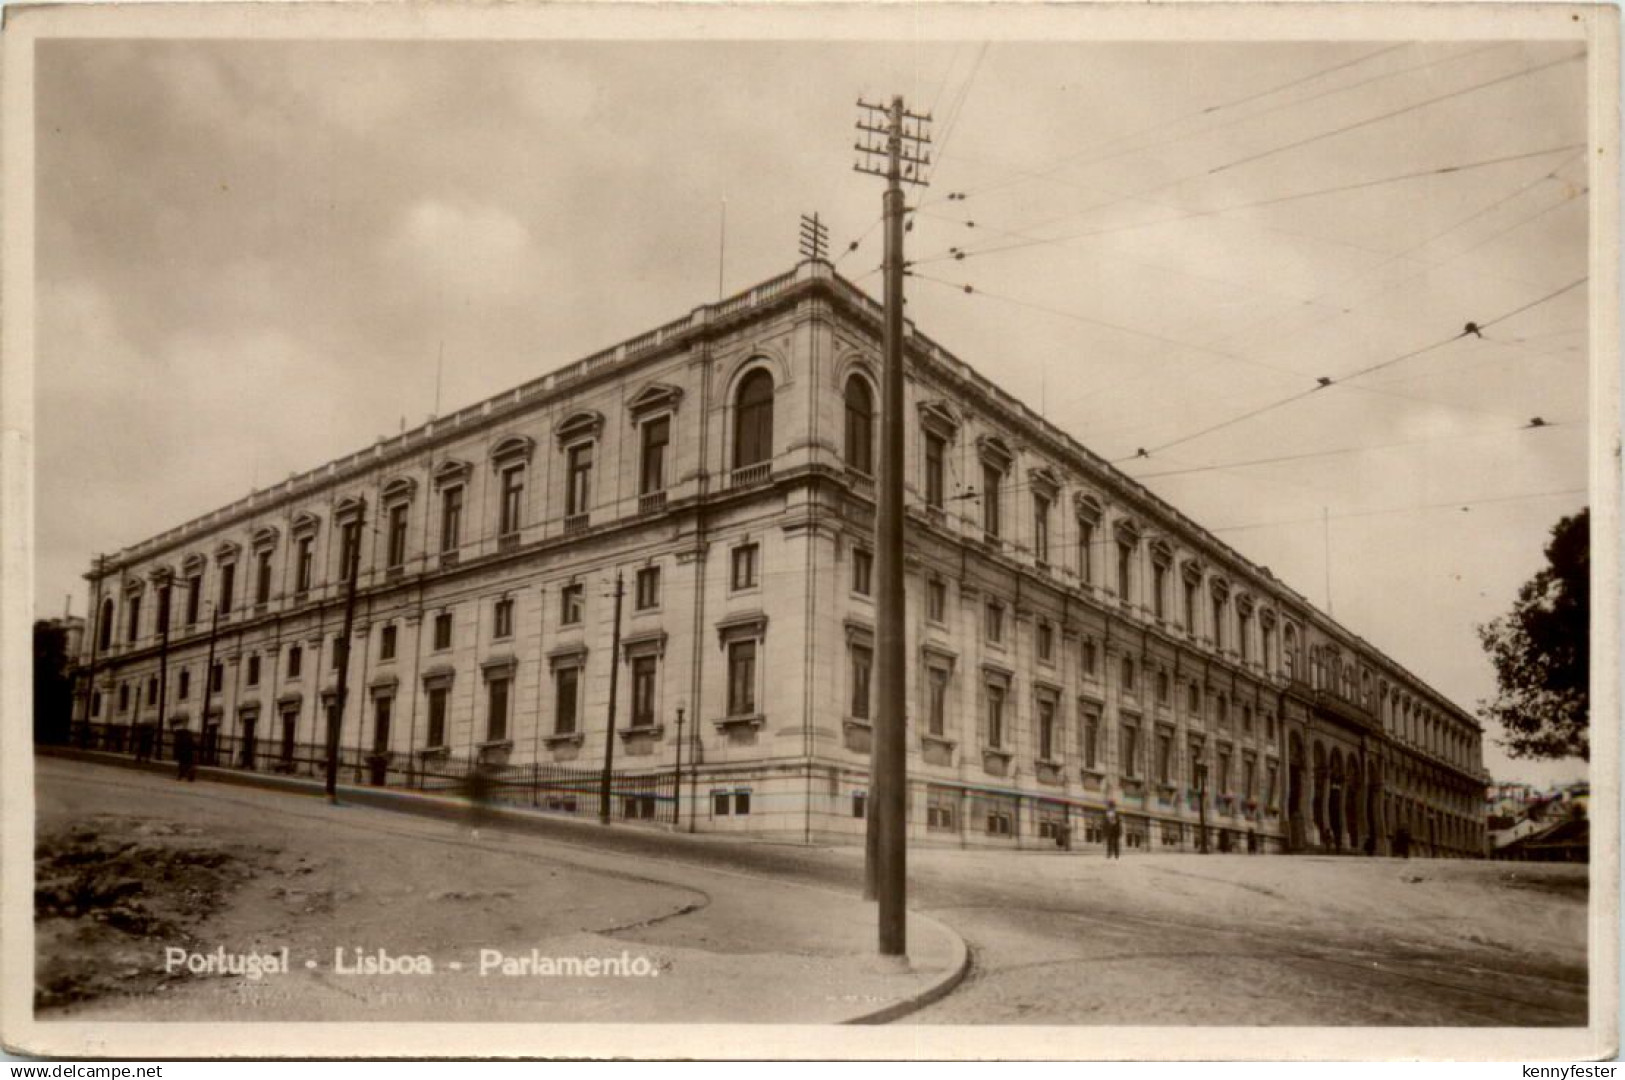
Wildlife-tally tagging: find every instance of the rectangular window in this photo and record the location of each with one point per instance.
(194, 598)
(652, 472)
(860, 801)
(1193, 701)
(296, 656)
(1270, 773)
(382, 709)
(349, 548)
(721, 801)
(572, 604)
(935, 470)
(123, 697)
(1267, 632)
(1190, 607)
(1041, 528)
(1046, 730)
(578, 498)
(133, 631)
(566, 691)
(1125, 570)
(940, 804)
(862, 664)
(862, 571)
(305, 562)
(995, 715)
(1165, 757)
(397, 535)
(386, 642)
(937, 707)
(163, 609)
(647, 594)
(513, 495)
(442, 630)
(742, 678)
(152, 690)
(1164, 688)
(262, 576)
(744, 566)
(1224, 772)
(1244, 627)
(1086, 551)
(1159, 589)
(1247, 719)
(228, 588)
(1089, 659)
(741, 803)
(254, 670)
(1218, 622)
(185, 687)
(496, 711)
(936, 600)
(994, 624)
(502, 618)
(451, 519)
(992, 525)
(338, 651)
(1046, 642)
(217, 677)
(1131, 752)
(438, 696)
(644, 669)
(1091, 737)
(1128, 674)
(1249, 772)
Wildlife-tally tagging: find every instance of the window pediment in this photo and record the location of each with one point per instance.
(400, 489)
(1044, 481)
(512, 450)
(161, 575)
(648, 643)
(348, 507)
(859, 633)
(451, 471)
(193, 564)
(656, 397)
(1127, 530)
(939, 417)
(585, 424)
(994, 451)
(747, 624)
(225, 551)
(1088, 508)
(265, 537)
(304, 524)
(1162, 553)
(1192, 571)
(1244, 603)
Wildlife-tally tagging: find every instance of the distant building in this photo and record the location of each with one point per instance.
(57, 646)
(1074, 640)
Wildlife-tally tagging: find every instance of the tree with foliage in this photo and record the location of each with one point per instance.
(1542, 652)
(53, 691)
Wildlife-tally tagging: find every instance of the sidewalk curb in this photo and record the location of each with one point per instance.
(961, 968)
(564, 831)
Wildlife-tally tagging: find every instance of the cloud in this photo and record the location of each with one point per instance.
(466, 250)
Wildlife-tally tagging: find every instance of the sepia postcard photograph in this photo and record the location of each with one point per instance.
(814, 530)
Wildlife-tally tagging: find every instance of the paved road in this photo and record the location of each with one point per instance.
(721, 946)
(1053, 951)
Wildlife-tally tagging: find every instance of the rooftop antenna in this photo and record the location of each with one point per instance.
(722, 247)
(814, 238)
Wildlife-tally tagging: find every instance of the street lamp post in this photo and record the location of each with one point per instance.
(677, 784)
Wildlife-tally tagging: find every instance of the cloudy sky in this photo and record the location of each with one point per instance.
(251, 255)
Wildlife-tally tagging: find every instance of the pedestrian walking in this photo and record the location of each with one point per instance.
(185, 755)
(1114, 834)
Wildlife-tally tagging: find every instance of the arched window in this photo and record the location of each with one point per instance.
(753, 426)
(105, 632)
(860, 426)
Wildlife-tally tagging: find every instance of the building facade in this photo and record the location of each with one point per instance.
(1075, 642)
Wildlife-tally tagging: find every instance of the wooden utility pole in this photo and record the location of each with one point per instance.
(208, 672)
(900, 158)
(335, 718)
(609, 730)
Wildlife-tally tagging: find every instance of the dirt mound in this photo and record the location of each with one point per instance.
(112, 892)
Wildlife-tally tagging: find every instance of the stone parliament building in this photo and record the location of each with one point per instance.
(1075, 642)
